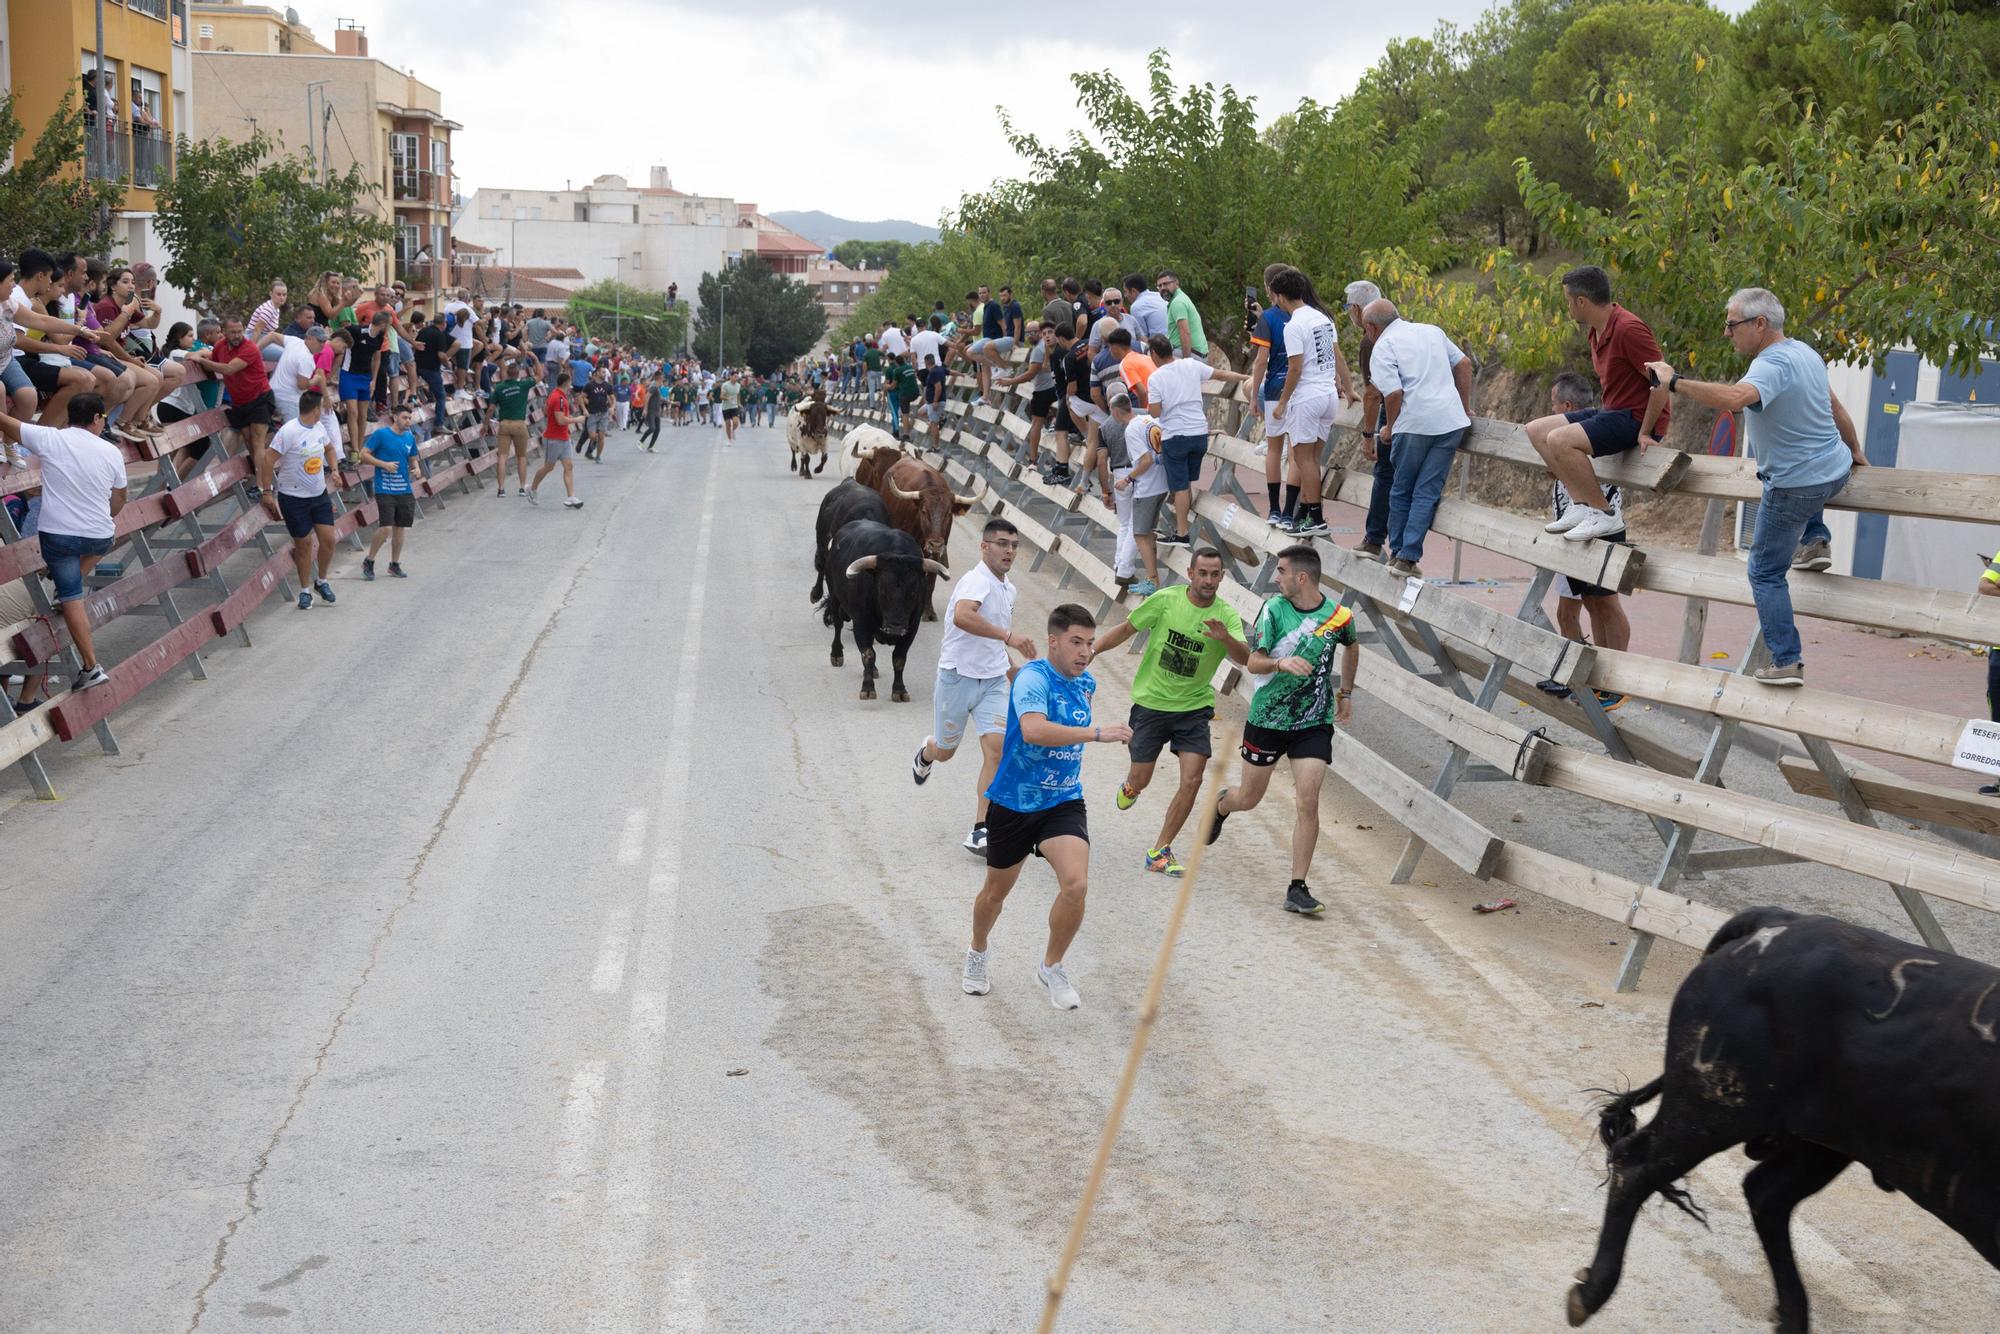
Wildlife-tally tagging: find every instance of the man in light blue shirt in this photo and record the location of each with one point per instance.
(1805, 446)
(1035, 802)
(1147, 308)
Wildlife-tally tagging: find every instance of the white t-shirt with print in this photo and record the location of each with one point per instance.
(301, 455)
(969, 654)
(1138, 444)
(1310, 341)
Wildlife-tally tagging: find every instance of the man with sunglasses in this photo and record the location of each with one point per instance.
(973, 668)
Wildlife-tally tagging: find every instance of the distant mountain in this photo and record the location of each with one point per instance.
(828, 231)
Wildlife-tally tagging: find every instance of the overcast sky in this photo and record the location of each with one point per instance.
(866, 112)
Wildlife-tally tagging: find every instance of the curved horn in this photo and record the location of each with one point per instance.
(865, 563)
(853, 448)
(901, 494)
(972, 499)
(932, 567)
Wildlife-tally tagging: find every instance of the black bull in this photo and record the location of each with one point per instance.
(875, 579)
(1814, 1044)
(840, 506)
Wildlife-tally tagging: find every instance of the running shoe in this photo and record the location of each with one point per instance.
(1144, 588)
(974, 981)
(975, 842)
(1310, 527)
(1162, 860)
(1126, 798)
(1551, 686)
(1174, 539)
(1285, 523)
(501, 493)
(325, 591)
(532, 498)
(1791, 674)
(368, 571)
(1274, 519)
(1299, 899)
(920, 768)
(1570, 517)
(1595, 523)
(1215, 829)
(1814, 556)
(573, 503)
(396, 571)
(1061, 994)
(1990, 790)
(93, 675)
(305, 599)
(1608, 699)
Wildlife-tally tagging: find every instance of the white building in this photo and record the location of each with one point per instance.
(650, 236)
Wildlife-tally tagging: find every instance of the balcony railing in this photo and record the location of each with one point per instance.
(413, 187)
(143, 158)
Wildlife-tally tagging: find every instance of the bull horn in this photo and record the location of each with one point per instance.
(865, 563)
(933, 567)
(901, 494)
(972, 499)
(854, 449)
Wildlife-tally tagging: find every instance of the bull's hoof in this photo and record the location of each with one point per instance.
(929, 615)
(839, 661)
(867, 692)
(1579, 1310)
(820, 467)
(900, 696)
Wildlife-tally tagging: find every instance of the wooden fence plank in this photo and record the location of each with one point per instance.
(1465, 842)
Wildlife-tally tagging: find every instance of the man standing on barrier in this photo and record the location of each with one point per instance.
(973, 671)
(1037, 798)
(1296, 706)
(1189, 632)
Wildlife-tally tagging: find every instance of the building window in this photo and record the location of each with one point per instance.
(151, 8)
(438, 161)
(406, 167)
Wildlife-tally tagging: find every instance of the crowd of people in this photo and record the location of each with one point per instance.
(350, 371)
(1113, 378)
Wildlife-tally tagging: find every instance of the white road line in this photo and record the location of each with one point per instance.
(580, 1120)
(633, 842)
(619, 1297)
(609, 976)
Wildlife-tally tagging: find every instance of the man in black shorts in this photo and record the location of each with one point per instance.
(1298, 701)
(1571, 394)
(1035, 802)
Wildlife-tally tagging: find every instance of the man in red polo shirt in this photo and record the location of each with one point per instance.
(1634, 411)
(253, 408)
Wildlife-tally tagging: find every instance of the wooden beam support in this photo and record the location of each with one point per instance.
(1892, 794)
(1465, 842)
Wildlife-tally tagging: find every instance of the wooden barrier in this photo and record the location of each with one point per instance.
(1469, 642)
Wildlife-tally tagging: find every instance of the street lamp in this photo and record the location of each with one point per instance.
(617, 299)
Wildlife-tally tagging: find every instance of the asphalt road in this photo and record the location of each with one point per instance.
(554, 942)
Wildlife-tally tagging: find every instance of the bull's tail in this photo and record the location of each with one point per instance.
(1617, 1124)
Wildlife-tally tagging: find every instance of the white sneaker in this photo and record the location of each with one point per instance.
(1595, 523)
(975, 842)
(1061, 994)
(573, 503)
(1567, 520)
(974, 981)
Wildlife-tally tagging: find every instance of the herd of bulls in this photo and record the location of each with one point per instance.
(1811, 1042)
(878, 549)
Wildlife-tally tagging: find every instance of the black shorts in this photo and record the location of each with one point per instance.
(259, 411)
(1576, 588)
(1011, 835)
(1153, 729)
(45, 376)
(302, 512)
(462, 358)
(731, 414)
(1042, 403)
(1264, 746)
(1611, 430)
(396, 511)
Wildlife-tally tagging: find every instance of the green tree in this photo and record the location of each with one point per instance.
(942, 270)
(871, 254)
(642, 319)
(44, 200)
(771, 319)
(236, 215)
(1873, 234)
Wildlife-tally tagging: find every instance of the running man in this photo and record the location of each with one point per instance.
(1296, 705)
(1172, 698)
(392, 451)
(973, 670)
(1037, 798)
(556, 423)
(511, 393)
(302, 455)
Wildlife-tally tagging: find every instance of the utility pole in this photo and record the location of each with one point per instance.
(103, 122)
(318, 167)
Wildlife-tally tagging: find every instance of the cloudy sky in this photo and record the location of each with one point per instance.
(863, 111)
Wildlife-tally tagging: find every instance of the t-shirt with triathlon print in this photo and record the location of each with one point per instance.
(1180, 660)
(1287, 703)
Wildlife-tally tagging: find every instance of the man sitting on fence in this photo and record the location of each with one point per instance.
(1805, 446)
(1571, 393)
(1633, 412)
(83, 489)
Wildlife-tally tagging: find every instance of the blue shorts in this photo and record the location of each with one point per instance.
(955, 699)
(1183, 455)
(13, 378)
(64, 556)
(303, 513)
(1611, 430)
(356, 386)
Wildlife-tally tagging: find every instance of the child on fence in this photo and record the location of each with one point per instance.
(392, 451)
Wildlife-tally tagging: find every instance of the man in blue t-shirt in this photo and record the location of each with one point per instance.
(392, 451)
(1035, 802)
(1805, 445)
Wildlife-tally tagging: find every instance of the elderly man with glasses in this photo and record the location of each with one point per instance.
(1805, 445)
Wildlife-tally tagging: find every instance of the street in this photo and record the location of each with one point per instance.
(553, 942)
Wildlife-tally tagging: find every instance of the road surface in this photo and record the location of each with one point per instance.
(554, 942)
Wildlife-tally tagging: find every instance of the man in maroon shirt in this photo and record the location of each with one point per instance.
(239, 361)
(1634, 411)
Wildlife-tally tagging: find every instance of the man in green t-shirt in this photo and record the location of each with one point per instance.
(510, 408)
(1190, 631)
(1296, 705)
(1184, 329)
